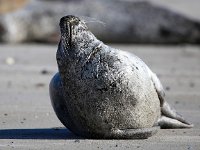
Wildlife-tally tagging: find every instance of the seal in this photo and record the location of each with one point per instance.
(102, 92)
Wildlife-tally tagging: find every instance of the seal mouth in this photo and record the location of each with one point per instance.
(67, 24)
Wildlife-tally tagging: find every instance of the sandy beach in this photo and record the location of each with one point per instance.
(27, 119)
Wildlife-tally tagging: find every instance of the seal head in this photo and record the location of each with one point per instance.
(75, 34)
(76, 41)
(66, 28)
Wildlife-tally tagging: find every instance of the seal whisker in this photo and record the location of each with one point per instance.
(102, 23)
(87, 20)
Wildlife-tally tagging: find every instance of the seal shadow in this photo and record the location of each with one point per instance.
(40, 133)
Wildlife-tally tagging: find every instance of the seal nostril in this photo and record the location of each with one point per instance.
(72, 19)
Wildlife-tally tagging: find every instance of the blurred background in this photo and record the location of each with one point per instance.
(165, 34)
(113, 21)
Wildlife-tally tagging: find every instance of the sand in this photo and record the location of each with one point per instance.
(27, 119)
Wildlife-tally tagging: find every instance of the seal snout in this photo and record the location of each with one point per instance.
(67, 24)
(66, 20)
(72, 30)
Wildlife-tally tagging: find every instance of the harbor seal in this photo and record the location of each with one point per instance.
(102, 92)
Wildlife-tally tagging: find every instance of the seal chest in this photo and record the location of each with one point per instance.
(103, 92)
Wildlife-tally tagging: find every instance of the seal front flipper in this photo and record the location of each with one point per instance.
(55, 89)
(158, 86)
(59, 102)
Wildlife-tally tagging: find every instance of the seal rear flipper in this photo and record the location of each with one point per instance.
(142, 133)
(166, 109)
(169, 123)
(170, 112)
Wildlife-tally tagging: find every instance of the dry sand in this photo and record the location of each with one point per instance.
(27, 120)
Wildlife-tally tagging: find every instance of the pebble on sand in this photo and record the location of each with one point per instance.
(10, 61)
